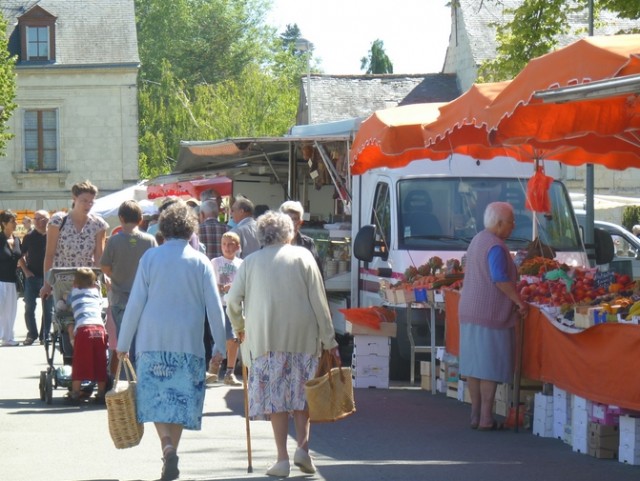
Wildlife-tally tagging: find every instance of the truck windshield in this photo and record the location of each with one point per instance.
(445, 213)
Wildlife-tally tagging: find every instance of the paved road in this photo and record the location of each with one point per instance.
(397, 434)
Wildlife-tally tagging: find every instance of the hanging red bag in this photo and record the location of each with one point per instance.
(538, 192)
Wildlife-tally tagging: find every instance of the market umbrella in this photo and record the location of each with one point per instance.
(462, 121)
(393, 137)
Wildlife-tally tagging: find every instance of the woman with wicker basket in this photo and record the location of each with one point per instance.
(260, 311)
(170, 357)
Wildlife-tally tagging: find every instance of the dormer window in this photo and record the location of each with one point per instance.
(37, 36)
(37, 43)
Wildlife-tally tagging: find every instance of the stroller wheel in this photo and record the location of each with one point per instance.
(42, 384)
(48, 390)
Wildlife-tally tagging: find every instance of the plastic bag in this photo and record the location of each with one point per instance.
(538, 192)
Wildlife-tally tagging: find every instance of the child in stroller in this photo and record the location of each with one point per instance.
(87, 334)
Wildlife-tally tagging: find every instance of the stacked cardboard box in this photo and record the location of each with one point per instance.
(580, 408)
(425, 374)
(604, 440)
(543, 415)
(629, 448)
(561, 413)
(463, 391)
(370, 361)
(503, 400)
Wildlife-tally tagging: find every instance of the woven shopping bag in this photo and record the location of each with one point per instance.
(330, 393)
(124, 428)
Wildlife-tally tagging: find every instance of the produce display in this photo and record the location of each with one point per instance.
(547, 283)
(434, 274)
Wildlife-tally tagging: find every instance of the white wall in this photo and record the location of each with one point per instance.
(98, 134)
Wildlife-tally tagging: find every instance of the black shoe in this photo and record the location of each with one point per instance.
(170, 469)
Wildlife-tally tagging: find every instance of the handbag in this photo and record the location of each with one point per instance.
(124, 428)
(330, 393)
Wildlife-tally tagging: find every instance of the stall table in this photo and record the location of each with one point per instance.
(601, 363)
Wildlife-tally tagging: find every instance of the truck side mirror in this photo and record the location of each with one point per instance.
(364, 245)
(603, 246)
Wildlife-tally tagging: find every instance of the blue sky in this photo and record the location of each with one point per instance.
(415, 32)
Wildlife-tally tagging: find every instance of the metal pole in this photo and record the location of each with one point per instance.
(590, 183)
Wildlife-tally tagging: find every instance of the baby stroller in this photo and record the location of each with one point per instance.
(61, 279)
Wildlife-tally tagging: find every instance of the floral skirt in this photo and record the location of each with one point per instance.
(276, 383)
(170, 388)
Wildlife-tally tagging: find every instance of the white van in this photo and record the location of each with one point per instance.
(434, 208)
(626, 246)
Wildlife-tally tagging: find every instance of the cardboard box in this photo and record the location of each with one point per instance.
(600, 413)
(370, 366)
(603, 453)
(379, 382)
(452, 390)
(435, 296)
(388, 329)
(371, 345)
(399, 295)
(425, 382)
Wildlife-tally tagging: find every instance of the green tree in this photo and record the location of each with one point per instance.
(258, 103)
(534, 31)
(377, 62)
(204, 41)
(244, 81)
(7, 86)
(624, 8)
(630, 216)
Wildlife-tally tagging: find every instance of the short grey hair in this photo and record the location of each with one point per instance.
(178, 221)
(209, 207)
(495, 212)
(292, 206)
(274, 228)
(244, 204)
(636, 229)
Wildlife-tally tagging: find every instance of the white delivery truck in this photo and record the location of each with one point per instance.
(402, 217)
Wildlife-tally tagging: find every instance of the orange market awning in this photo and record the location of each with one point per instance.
(393, 137)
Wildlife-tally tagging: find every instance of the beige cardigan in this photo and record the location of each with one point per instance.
(278, 299)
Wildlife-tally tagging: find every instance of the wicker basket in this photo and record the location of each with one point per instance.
(124, 428)
(330, 394)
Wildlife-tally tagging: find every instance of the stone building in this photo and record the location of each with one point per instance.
(77, 117)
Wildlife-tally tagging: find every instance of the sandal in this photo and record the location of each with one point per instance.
(496, 426)
(72, 399)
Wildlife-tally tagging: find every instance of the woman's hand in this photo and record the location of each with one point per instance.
(122, 355)
(523, 309)
(45, 291)
(335, 352)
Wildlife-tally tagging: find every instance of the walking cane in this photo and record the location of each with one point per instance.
(518, 373)
(246, 417)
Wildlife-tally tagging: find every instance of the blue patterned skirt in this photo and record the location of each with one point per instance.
(276, 383)
(170, 388)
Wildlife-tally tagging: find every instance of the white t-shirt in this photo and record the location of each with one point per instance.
(225, 271)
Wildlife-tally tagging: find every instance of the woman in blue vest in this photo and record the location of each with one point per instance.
(489, 306)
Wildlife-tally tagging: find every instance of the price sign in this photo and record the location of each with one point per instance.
(604, 279)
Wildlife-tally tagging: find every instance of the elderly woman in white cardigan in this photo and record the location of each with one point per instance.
(278, 305)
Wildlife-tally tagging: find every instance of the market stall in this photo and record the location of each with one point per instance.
(600, 363)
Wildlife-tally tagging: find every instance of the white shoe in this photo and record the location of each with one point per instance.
(10, 343)
(281, 469)
(302, 459)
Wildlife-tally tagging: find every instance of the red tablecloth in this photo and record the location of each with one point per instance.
(601, 363)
